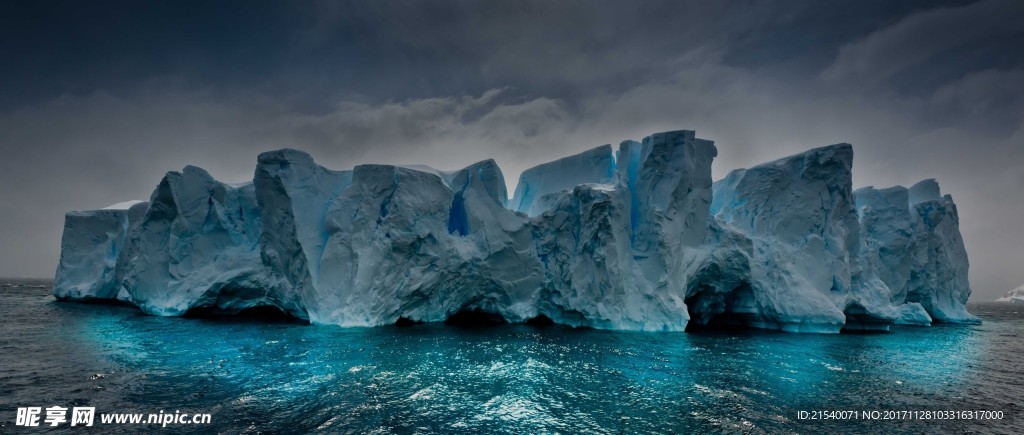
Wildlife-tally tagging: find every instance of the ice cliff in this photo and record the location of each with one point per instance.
(637, 238)
(911, 239)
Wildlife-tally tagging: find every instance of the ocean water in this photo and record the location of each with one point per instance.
(260, 377)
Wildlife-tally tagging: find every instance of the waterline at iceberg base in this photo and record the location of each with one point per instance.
(637, 238)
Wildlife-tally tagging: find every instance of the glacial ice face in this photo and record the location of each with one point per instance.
(561, 175)
(942, 286)
(805, 272)
(293, 193)
(911, 238)
(638, 239)
(402, 243)
(888, 237)
(96, 252)
(615, 252)
(196, 246)
(89, 251)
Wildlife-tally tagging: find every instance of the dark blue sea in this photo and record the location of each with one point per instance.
(279, 377)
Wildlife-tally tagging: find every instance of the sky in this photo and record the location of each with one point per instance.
(99, 99)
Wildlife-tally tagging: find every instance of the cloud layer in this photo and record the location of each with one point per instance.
(451, 84)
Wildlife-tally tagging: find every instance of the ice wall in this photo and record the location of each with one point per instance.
(912, 239)
(638, 239)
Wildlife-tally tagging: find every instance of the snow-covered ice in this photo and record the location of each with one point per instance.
(1015, 296)
(122, 205)
(561, 175)
(637, 238)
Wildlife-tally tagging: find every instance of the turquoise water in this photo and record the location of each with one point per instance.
(257, 377)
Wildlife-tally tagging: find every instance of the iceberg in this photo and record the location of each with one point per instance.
(1015, 296)
(634, 238)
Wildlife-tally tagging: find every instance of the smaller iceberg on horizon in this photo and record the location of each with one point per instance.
(1015, 296)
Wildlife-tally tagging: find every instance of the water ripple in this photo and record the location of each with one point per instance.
(267, 378)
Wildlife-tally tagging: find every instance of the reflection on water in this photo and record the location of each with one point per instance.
(273, 377)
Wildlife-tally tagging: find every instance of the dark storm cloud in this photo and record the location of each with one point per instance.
(98, 102)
